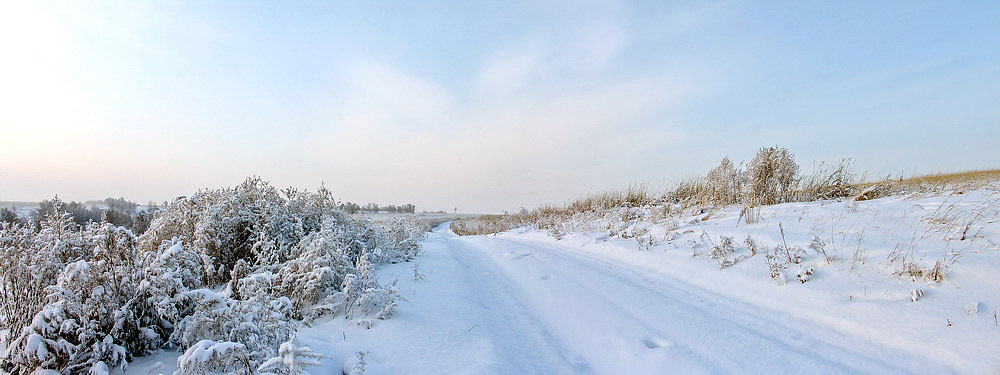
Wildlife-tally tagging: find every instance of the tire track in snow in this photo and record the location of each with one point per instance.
(729, 337)
(522, 344)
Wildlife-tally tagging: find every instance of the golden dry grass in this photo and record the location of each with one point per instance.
(979, 176)
(978, 179)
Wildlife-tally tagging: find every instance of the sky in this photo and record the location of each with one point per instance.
(482, 106)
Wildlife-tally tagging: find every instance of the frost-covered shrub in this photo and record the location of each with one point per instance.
(260, 324)
(645, 241)
(176, 263)
(776, 264)
(9, 216)
(724, 183)
(819, 246)
(362, 295)
(355, 366)
(804, 275)
(417, 276)
(771, 177)
(208, 356)
(90, 299)
(751, 245)
(323, 260)
(252, 221)
(404, 235)
(829, 181)
(32, 260)
(934, 274)
(722, 250)
(292, 359)
(96, 312)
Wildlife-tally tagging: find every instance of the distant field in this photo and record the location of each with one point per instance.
(22, 209)
(11, 204)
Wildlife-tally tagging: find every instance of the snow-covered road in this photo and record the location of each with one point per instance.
(510, 304)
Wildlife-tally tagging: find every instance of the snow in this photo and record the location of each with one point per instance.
(524, 302)
(163, 362)
(36, 344)
(205, 350)
(3, 339)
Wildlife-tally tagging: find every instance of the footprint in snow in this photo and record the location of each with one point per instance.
(654, 343)
(548, 277)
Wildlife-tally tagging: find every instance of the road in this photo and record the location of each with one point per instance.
(515, 305)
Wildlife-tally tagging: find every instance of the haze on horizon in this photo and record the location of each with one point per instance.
(484, 106)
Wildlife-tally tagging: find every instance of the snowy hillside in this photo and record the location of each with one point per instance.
(592, 302)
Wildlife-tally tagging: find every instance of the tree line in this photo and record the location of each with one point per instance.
(352, 208)
(116, 211)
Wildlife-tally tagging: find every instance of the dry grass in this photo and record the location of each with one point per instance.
(550, 217)
(632, 196)
(486, 224)
(828, 181)
(984, 176)
(978, 179)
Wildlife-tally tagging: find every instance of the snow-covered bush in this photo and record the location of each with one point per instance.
(724, 184)
(252, 221)
(96, 312)
(32, 259)
(913, 270)
(829, 181)
(364, 297)
(90, 299)
(403, 236)
(356, 365)
(776, 264)
(722, 251)
(771, 177)
(325, 259)
(819, 246)
(292, 359)
(174, 267)
(207, 356)
(9, 216)
(417, 276)
(259, 323)
(804, 275)
(751, 245)
(645, 241)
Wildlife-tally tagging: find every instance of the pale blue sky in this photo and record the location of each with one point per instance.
(482, 105)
